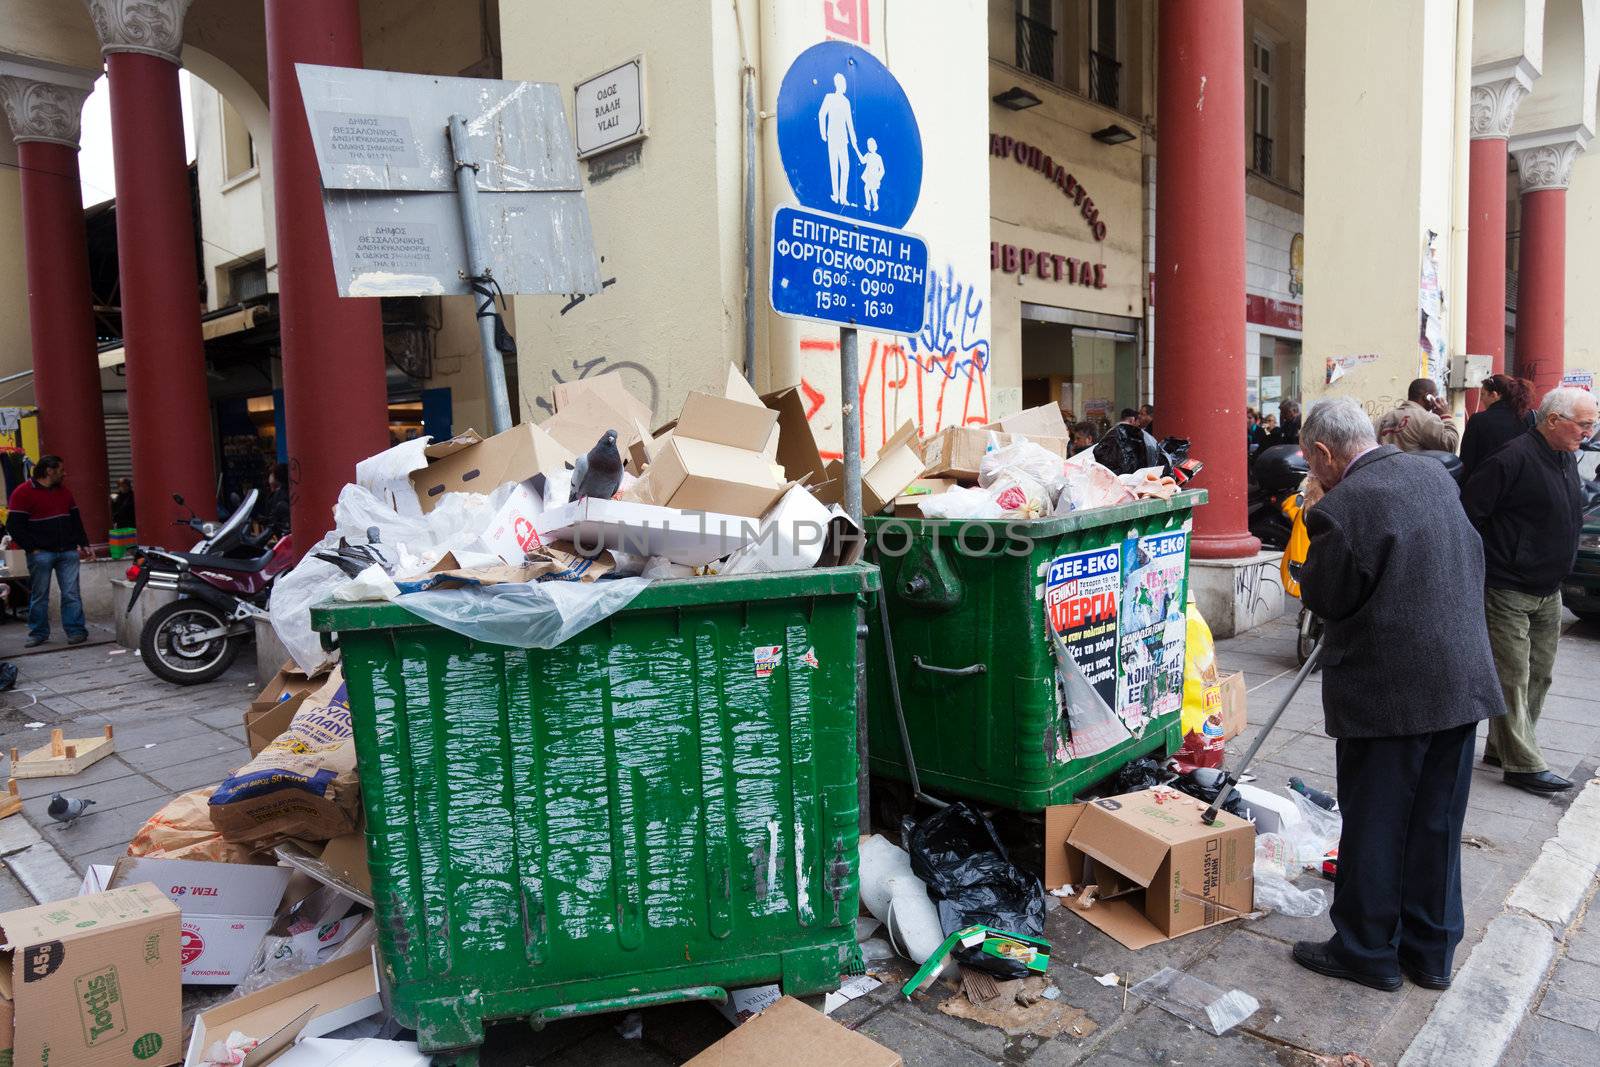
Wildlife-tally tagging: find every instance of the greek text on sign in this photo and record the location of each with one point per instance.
(374, 139)
(850, 273)
(609, 108)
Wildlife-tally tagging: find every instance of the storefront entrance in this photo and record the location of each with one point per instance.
(1086, 363)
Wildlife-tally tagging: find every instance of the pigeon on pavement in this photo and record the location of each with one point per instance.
(599, 472)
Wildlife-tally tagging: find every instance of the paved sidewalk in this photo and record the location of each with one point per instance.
(171, 739)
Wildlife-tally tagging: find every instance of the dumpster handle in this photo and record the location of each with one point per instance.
(899, 711)
(557, 1012)
(976, 668)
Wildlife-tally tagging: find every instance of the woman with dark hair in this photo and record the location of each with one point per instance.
(1507, 416)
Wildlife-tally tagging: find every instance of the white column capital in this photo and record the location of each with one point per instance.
(1546, 166)
(43, 102)
(1494, 107)
(152, 27)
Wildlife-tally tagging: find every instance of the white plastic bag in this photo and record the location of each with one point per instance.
(1023, 457)
(387, 475)
(961, 503)
(1275, 869)
(1315, 835)
(1090, 484)
(1019, 496)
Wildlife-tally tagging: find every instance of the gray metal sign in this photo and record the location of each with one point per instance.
(390, 193)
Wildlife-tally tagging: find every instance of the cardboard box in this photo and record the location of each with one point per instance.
(798, 453)
(93, 981)
(1235, 706)
(956, 451)
(695, 538)
(898, 464)
(908, 505)
(792, 537)
(1042, 421)
(590, 409)
(791, 1034)
(694, 475)
(608, 389)
(1169, 874)
(470, 464)
(227, 910)
(8, 1030)
(511, 533)
(367, 1052)
(340, 863)
(317, 1002)
(1272, 812)
(264, 722)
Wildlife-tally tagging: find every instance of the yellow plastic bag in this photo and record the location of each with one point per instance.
(1202, 690)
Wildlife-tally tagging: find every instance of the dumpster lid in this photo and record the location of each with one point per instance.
(1077, 520)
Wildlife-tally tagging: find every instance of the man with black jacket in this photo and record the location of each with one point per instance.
(43, 520)
(1527, 503)
(1396, 573)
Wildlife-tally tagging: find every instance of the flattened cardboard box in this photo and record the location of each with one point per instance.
(1235, 706)
(93, 981)
(797, 448)
(227, 910)
(898, 464)
(1042, 421)
(792, 1035)
(1168, 873)
(470, 464)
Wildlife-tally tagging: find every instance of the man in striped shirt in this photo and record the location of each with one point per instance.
(43, 520)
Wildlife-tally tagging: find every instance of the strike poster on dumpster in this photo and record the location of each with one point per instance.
(1081, 607)
(1151, 626)
(1080, 599)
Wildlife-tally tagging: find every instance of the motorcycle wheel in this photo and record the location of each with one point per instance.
(1310, 632)
(165, 647)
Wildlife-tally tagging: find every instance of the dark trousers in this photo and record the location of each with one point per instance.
(1398, 894)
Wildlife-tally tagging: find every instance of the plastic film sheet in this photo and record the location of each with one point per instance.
(525, 615)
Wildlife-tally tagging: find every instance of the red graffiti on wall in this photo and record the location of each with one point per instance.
(847, 19)
(894, 379)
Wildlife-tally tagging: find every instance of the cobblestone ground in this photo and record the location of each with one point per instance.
(171, 739)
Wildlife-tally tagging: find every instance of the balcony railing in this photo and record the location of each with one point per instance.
(1105, 80)
(1036, 48)
(1263, 157)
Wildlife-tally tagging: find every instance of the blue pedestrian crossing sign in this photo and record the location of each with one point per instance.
(848, 137)
(853, 155)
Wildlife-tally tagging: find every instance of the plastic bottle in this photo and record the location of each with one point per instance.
(1322, 800)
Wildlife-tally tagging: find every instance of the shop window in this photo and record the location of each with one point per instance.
(1036, 38)
(1105, 52)
(1263, 61)
(1277, 376)
(238, 147)
(1090, 372)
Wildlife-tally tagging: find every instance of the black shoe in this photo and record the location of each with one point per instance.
(34, 642)
(1314, 956)
(1491, 759)
(1540, 782)
(77, 639)
(1422, 978)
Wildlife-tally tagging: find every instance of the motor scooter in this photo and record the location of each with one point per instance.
(222, 585)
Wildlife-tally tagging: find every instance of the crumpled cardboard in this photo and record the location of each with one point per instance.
(468, 463)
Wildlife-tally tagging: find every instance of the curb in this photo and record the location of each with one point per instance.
(35, 863)
(1474, 1021)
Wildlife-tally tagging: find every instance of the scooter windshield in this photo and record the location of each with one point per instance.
(228, 532)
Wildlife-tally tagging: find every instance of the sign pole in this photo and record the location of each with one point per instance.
(850, 409)
(494, 368)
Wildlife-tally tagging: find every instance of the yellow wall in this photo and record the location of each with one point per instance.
(1583, 269)
(16, 350)
(1379, 136)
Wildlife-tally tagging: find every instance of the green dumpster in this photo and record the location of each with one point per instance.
(661, 809)
(968, 602)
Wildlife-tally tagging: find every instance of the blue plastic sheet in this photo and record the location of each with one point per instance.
(524, 615)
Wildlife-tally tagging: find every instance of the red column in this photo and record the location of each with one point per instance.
(1542, 289)
(169, 411)
(1200, 335)
(1486, 255)
(66, 373)
(335, 397)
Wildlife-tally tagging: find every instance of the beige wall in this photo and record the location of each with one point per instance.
(58, 31)
(232, 214)
(666, 225)
(16, 350)
(1379, 147)
(1583, 269)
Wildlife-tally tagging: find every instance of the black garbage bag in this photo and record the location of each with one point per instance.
(1142, 773)
(1128, 449)
(971, 880)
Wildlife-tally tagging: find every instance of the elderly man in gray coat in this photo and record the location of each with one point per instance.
(1395, 570)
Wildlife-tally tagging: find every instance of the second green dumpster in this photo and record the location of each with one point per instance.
(968, 604)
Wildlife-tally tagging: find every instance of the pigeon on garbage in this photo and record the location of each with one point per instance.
(68, 810)
(599, 472)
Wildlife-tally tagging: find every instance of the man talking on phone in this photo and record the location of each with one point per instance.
(1422, 422)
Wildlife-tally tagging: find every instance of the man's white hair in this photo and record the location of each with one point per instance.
(1563, 402)
(1341, 424)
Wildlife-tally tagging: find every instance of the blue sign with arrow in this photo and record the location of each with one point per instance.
(847, 136)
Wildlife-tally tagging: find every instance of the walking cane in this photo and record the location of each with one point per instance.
(1230, 777)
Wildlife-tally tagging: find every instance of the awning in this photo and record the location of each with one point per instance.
(217, 326)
